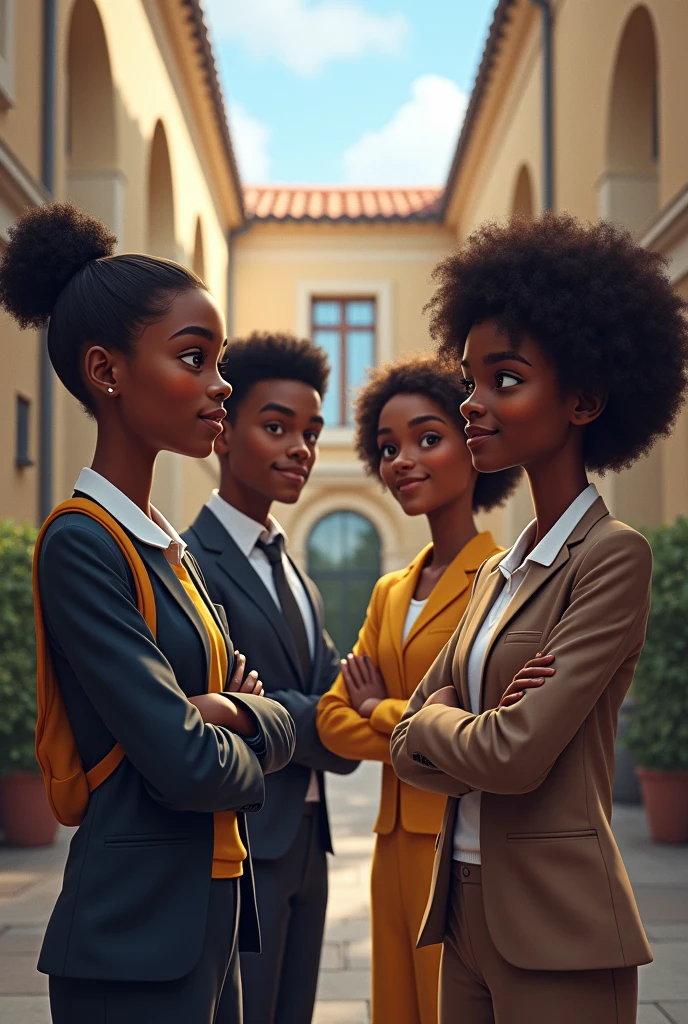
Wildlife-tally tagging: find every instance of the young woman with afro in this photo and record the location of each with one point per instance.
(410, 434)
(140, 741)
(573, 351)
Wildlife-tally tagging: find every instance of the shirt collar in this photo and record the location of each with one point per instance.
(156, 531)
(243, 530)
(551, 544)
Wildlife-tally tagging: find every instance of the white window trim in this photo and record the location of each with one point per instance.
(345, 288)
(7, 93)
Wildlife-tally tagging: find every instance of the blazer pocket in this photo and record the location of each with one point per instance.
(523, 636)
(149, 839)
(550, 837)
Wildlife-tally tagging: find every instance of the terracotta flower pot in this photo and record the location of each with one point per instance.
(665, 796)
(25, 812)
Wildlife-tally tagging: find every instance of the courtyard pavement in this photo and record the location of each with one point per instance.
(30, 879)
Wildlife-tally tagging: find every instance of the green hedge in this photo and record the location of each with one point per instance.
(17, 650)
(658, 733)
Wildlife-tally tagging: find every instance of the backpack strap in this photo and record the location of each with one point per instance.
(67, 785)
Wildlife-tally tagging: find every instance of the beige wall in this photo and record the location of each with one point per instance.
(603, 165)
(277, 267)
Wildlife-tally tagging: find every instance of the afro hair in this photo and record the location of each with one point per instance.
(266, 356)
(441, 382)
(601, 308)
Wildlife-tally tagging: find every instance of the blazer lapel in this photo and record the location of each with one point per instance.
(318, 624)
(399, 599)
(157, 563)
(454, 581)
(233, 562)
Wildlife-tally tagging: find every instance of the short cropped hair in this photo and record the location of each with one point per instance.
(422, 374)
(267, 356)
(600, 306)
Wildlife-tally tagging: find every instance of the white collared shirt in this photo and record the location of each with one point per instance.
(514, 567)
(156, 531)
(245, 532)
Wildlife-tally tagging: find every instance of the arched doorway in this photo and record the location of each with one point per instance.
(629, 191)
(523, 204)
(162, 239)
(344, 561)
(198, 264)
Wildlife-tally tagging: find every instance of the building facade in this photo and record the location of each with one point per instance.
(121, 113)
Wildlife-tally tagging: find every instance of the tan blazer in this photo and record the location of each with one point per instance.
(402, 665)
(555, 890)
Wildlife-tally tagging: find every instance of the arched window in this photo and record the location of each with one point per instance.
(344, 562)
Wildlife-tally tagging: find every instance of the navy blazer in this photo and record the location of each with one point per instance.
(136, 886)
(262, 634)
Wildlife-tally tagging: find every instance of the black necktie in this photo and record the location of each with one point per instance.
(288, 603)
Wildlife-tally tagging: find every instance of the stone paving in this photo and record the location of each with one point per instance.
(30, 879)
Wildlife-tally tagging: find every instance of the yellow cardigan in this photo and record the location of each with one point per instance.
(402, 666)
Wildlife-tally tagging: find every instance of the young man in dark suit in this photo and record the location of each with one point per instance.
(267, 450)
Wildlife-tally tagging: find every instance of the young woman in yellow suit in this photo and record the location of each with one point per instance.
(410, 432)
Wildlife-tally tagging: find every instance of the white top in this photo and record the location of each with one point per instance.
(414, 610)
(514, 567)
(245, 532)
(156, 532)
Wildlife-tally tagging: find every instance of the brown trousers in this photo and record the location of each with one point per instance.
(477, 986)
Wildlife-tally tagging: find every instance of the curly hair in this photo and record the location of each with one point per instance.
(60, 270)
(440, 381)
(601, 308)
(266, 356)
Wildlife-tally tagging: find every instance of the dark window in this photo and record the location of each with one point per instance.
(22, 456)
(345, 328)
(344, 561)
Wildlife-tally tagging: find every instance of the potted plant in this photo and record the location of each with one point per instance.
(658, 731)
(24, 811)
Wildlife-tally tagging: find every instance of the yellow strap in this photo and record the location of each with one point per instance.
(63, 775)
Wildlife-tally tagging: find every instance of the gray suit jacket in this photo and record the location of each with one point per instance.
(261, 633)
(137, 881)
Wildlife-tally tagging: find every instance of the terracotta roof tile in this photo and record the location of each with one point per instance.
(333, 203)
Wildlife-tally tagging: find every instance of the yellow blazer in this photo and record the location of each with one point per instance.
(402, 666)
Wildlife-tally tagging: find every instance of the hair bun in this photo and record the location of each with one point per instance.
(47, 246)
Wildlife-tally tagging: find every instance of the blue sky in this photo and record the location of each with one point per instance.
(347, 91)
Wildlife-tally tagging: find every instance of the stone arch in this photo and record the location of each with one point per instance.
(162, 238)
(94, 179)
(198, 262)
(630, 186)
(523, 203)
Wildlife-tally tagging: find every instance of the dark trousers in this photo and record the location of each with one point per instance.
(193, 999)
(279, 984)
(478, 986)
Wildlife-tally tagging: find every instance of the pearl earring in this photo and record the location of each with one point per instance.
(111, 391)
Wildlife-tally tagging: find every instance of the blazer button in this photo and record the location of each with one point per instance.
(465, 872)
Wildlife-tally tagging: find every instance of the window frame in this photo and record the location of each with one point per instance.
(343, 329)
(22, 432)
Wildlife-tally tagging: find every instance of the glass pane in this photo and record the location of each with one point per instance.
(360, 354)
(330, 341)
(360, 313)
(326, 313)
(344, 561)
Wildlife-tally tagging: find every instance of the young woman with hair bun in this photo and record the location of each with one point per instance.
(410, 434)
(169, 740)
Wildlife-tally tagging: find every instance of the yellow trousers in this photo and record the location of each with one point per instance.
(405, 979)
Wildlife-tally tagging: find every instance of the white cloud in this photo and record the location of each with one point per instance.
(306, 35)
(250, 138)
(415, 147)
